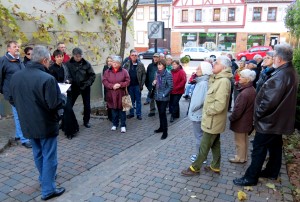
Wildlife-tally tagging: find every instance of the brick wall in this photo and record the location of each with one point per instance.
(241, 42)
(175, 42)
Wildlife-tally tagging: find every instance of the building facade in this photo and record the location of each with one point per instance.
(144, 13)
(228, 25)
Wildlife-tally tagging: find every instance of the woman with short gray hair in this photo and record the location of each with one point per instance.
(241, 119)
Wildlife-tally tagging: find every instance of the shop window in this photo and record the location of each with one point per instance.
(257, 13)
(226, 41)
(231, 14)
(189, 39)
(208, 41)
(185, 16)
(272, 14)
(255, 40)
(198, 15)
(217, 14)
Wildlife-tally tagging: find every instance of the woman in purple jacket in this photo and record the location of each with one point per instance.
(241, 119)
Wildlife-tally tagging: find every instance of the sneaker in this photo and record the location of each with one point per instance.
(123, 129)
(193, 157)
(114, 128)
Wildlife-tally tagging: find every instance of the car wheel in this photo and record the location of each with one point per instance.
(243, 58)
(213, 57)
(141, 57)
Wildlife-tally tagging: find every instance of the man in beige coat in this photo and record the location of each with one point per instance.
(214, 116)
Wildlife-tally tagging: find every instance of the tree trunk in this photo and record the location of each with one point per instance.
(123, 38)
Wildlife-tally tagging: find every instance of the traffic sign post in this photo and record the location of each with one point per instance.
(156, 30)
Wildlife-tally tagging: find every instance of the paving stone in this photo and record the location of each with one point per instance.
(135, 197)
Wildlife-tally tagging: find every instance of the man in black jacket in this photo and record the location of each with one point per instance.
(150, 77)
(82, 77)
(36, 93)
(274, 115)
(9, 64)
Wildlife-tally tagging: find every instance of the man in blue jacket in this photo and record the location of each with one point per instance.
(36, 93)
(9, 64)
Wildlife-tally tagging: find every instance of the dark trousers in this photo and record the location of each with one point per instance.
(135, 95)
(230, 96)
(69, 121)
(163, 122)
(261, 144)
(118, 114)
(86, 98)
(174, 105)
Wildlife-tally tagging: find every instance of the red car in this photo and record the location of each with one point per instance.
(249, 54)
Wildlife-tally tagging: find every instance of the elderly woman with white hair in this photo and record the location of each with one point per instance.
(169, 60)
(116, 79)
(203, 71)
(241, 119)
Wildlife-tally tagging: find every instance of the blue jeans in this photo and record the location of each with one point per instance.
(189, 89)
(135, 94)
(45, 158)
(118, 114)
(19, 133)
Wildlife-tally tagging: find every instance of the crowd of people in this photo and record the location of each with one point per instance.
(259, 94)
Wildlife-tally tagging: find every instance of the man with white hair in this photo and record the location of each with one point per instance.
(274, 115)
(214, 117)
(35, 92)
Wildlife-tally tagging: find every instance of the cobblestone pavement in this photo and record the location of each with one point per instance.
(103, 165)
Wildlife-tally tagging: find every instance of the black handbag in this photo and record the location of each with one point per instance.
(152, 92)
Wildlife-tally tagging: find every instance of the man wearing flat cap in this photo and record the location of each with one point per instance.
(150, 76)
(82, 77)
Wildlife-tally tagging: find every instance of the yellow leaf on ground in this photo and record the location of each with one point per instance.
(248, 188)
(242, 195)
(271, 186)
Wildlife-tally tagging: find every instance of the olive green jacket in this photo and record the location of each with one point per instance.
(215, 106)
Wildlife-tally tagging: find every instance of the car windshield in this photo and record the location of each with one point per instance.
(151, 50)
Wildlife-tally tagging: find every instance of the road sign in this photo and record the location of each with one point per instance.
(156, 30)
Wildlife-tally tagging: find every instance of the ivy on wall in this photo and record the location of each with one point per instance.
(50, 27)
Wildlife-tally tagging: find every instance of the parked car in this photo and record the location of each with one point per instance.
(199, 53)
(150, 52)
(249, 54)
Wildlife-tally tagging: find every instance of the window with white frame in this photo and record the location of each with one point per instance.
(165, 13)
(151, 13)
(140, 37)
(257, 13)
(231, 14)
(140, 13)
(185, 16)
(217, 14)
(272, 11)
(198, 15)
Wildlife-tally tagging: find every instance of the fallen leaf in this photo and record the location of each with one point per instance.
(271, 186)
(193, 196)
(248, 188)
(297, 191)
(242, 195)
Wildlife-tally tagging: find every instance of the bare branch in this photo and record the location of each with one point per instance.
(132, 8)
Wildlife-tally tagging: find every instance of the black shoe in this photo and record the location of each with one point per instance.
(129, 116)
(164, 136)
(158, 130)
(244, 182)
(171, 119)
(56, 193)
(263, 174)
(151, 114)
(27, 145)
(87, 125)
(139, 117)
(146, 103)
(185, 96)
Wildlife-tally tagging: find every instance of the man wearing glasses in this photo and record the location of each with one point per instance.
(137, 73)
(9, 64)
(274, 115)
(82, 77)
(265, 74)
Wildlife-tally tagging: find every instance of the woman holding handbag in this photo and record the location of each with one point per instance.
(163, 86)
(116, 79)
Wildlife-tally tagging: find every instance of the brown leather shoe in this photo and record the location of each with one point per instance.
(211, 169)
(188, 172)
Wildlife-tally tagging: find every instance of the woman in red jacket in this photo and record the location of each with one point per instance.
(115, 80)
(179, 80)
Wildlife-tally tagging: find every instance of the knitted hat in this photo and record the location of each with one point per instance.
(206, 68)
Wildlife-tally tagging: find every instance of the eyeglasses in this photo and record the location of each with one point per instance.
(28, 54)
